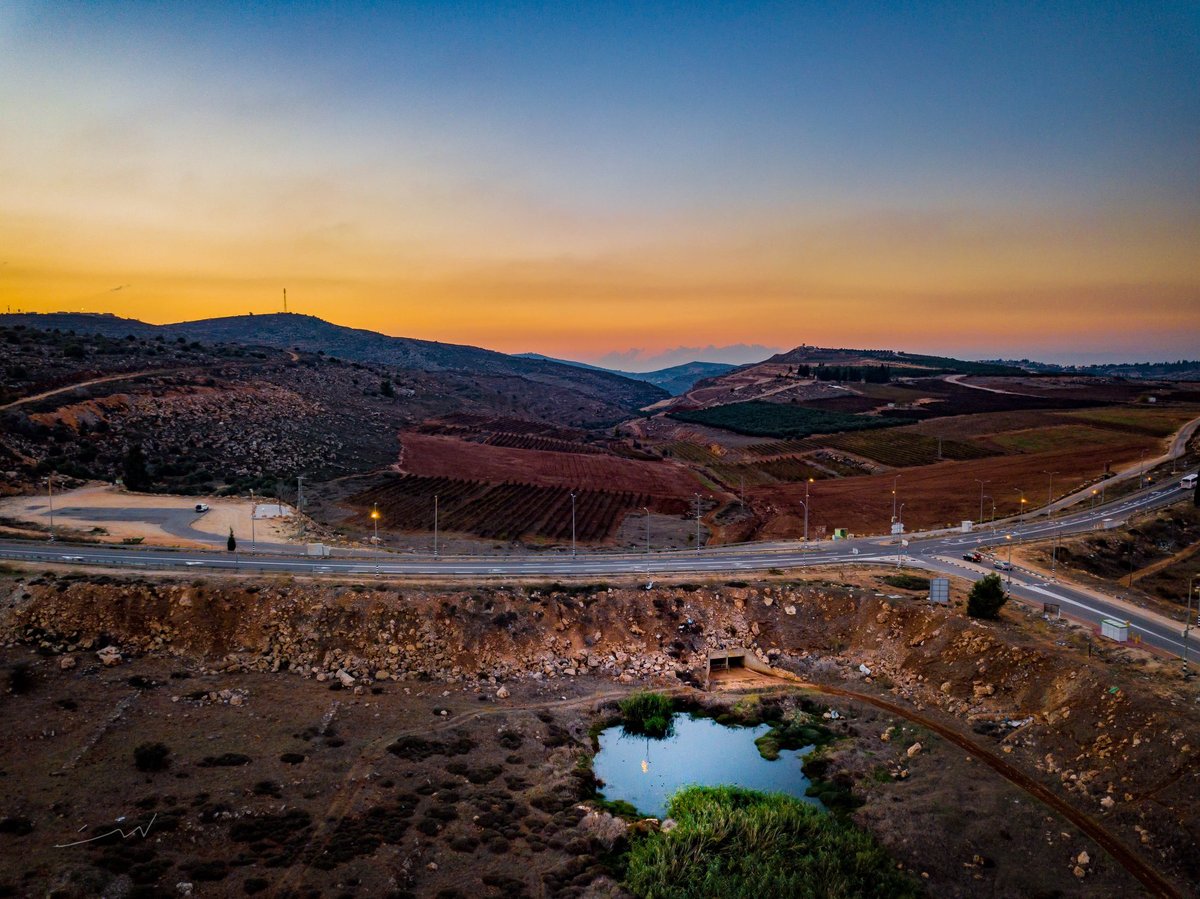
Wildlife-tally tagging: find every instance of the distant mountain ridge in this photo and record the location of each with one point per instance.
(675, 379)
(311, 334)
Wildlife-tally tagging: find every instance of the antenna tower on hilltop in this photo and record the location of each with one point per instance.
(285, 301)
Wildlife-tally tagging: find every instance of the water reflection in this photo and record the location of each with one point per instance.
(646, 773)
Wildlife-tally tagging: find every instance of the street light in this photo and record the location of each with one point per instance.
(1009, 538)
(1094, 494)
(894, 482)
(435, 525)
(253, 507)
(1187, 621)
(572, 525)
(697, 495)
(1020, 508)
(647, 508)
(806, 485)
(1050, 517)
(375, 520)
(1050, 493)
(992, 519)
(901, 517)
(980, 483)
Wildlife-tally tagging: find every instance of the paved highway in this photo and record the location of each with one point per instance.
(939, 552)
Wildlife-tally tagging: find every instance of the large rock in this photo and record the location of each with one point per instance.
(109, 656)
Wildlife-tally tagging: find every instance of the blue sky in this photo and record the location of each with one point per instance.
(985, 179)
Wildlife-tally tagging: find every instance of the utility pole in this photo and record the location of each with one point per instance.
(697, 495)
(895, 480)
(435, 525)
(572, 525)
(980, 483)
(253, 540)
(375, 520)
(1054, 524)
(285, 301)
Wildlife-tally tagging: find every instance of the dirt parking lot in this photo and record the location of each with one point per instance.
(107, 512)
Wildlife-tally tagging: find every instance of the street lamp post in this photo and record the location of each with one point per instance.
(697, 495)
(980, 483)
(1050, 517)
(1187, 621)
(806, 486)
(572, 525)
(895, 480)
(435, 525)
(375, 521)
(647, 510)
(253, 508)
(1009, 538)
(1021, 507)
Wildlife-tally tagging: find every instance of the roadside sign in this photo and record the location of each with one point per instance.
(939, 590)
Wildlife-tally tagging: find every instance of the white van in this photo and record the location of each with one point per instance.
(201, 507)
(1188, 482)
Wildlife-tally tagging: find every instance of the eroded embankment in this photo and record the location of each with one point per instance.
(1118, 746)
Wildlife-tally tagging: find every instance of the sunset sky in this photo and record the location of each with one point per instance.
(577, 179)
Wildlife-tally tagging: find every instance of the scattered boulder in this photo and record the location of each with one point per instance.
(109, 656)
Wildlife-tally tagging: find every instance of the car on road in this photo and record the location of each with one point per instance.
(1002, 565)
(201, 507)
(72, 558)
(972, 557)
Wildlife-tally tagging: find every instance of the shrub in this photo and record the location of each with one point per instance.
(986, 598)
(21, 678)
(647, 714)
(907, 582)
(151, 757)
(738, 843)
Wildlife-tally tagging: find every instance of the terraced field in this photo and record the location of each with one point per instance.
(902, 449)
(507, 511)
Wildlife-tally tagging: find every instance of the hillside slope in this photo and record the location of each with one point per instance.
(311, 334)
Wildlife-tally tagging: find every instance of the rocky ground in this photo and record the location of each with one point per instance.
(363, 739)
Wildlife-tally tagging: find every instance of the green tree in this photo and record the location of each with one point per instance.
(134, 471)
(385, 387)
(231, 543)
(986, 598)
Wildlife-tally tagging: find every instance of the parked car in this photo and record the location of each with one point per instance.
(201, 507)
(972, 557)
(1003, 565)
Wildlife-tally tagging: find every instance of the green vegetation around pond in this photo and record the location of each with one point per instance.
(647, 714)
(735, 843)
(763, 419)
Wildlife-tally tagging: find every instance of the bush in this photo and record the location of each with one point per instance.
(986, 598)
(907, 582)
(151, 757)
(737, 843)
(647, 714)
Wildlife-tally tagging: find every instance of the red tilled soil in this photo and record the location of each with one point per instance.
(941, 494)
(437, 456)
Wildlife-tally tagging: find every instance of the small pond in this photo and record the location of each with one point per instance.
(647, 772)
